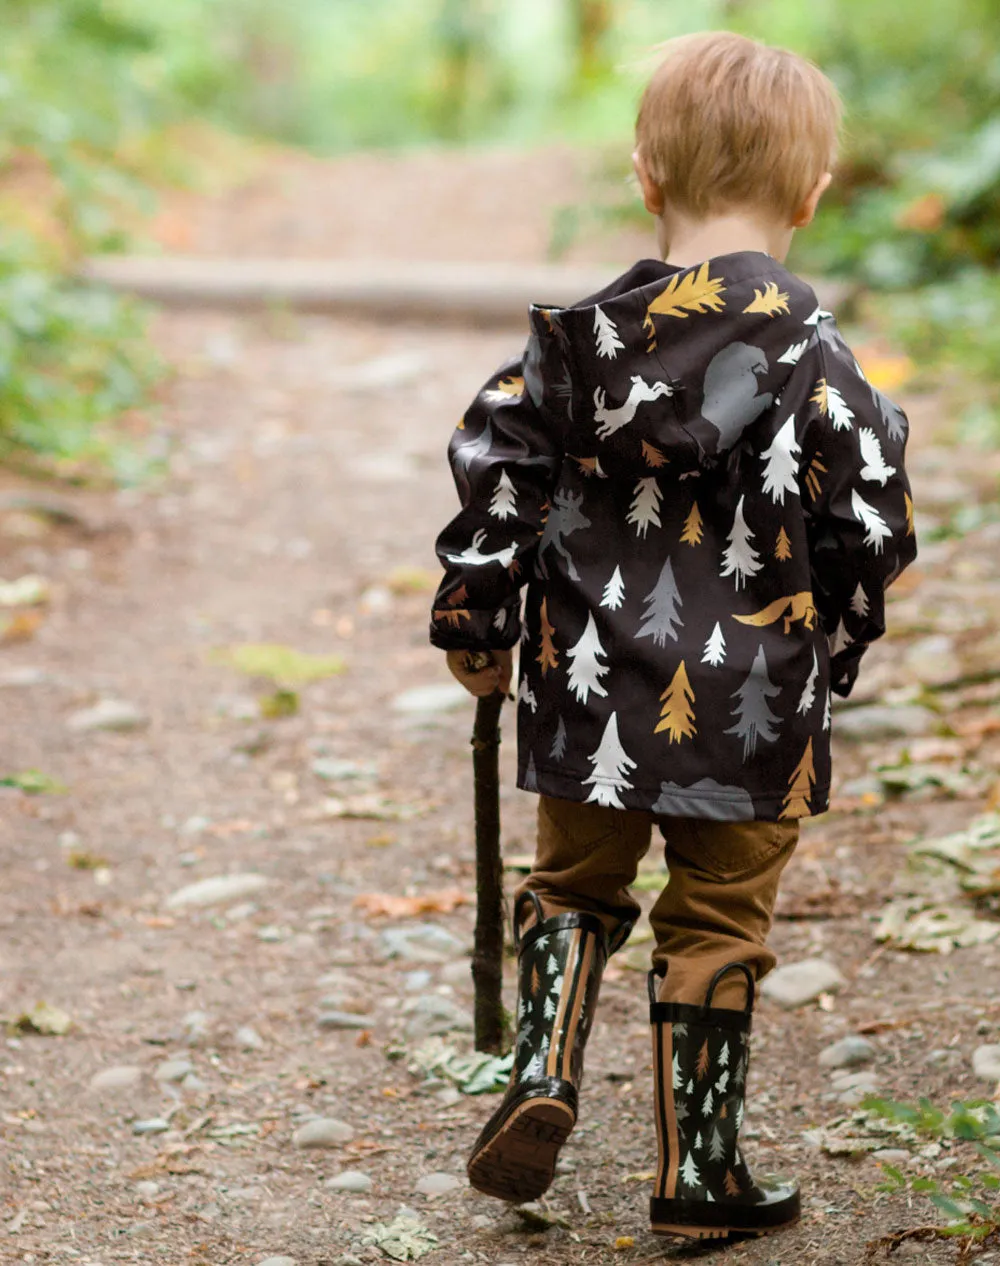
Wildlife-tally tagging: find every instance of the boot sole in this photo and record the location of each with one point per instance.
(519, 1161)
(719, 1232)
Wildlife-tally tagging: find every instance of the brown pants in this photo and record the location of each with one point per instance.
(716, 909)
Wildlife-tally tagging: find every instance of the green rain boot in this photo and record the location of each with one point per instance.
(560, 964)
(704, 1189)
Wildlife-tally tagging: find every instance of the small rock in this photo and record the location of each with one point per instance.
(431, 700)
(210, 892)
(437, 1185)
(195, 1027)
(877, 721)
(322, 1132)
(481, 1222)
(118, 1077)
(109, 714)
(192, 1083)
(248, 1039)
(172, 1070)
(986, 1063)
(147, 1190)
(458, 972)
(343, 770)
(416, 981)
(155, 1125)
(892, 1156)
(933, 660)
(849, 1052)
(939, 1057)
(433, 1016)
(278, 1261)
(342, 1020)
(350, 1180)
(421, 943)
(795, 984)
(854, 1087)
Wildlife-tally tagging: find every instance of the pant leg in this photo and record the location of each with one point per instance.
(718, 905)
(585, 859)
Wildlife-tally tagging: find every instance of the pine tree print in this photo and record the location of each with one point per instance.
(558, 748)
(909, 514)
(724, 1055)
(782, 546)
(715, 647)
(552, 967)
(534, 1068)
(708, 1103)
(530, 774)
(697, 1145)
(557, 986)
(859, 602)
(690, 1086)
(840, 415)
(704, 1060)
(876, 528)
(677, 715)
(536, 980)
(808, 696)
(504, 502)
(611, 765)
(754, 718)
(549, 657)
(826, 712)
(792, 355)
(661, 619)
(608, 342)
(678, 1077)
(800, 785)
(653, 456)
(689, 1172)
(740, 560)
(730, 1185)
(614, 591)
(770, 301)
(585, 672)
(549, 1009)
(781, 465)
(716, 1147)
(644, 510)
(724, 1110)
(739, 1116)
(693, 529)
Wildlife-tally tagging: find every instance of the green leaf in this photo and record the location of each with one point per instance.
(34, 783)
(280, 663)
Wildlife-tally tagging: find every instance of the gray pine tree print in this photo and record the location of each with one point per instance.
(754, 718)
(558, 749)
(661, 619)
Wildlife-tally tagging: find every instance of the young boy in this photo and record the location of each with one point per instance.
(705, 501)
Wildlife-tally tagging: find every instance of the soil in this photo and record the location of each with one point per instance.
(299, 507)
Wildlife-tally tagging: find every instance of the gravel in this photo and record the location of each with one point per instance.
(323, 1132)
(795, 984)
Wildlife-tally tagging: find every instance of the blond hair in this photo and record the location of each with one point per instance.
(726, 121)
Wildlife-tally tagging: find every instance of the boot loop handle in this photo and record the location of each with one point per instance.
(527, 895)
(651, 980)
(751, 985)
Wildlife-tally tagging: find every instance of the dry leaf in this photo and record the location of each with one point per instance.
(44, 1019)
(385, 905)
(20, 627)
(28, 591)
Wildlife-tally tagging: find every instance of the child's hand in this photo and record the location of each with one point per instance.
(496, 676)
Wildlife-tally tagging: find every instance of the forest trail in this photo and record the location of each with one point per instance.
(306, 482)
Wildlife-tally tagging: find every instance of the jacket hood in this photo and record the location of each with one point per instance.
(706, 351)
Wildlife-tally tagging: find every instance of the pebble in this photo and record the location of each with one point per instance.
(437, 1184)
(173, 1070)
(795, 984)
(431, 700)
(986, 1063)
(456, 973)
(880, 721)
(350, 1180)
(322, 1132)
(118, 1077)
(210, 892)
(849, 1052)
(933, 660)
(154, 1125)
(852, 1088)
(343, 770)
(342, 1020)
(421, 943)
(147, 1190)
(433, 1016)
(109, 714)
(278, 1261)
(248, 1039)
(892, 1156)
(416, 981)
(192, 1083)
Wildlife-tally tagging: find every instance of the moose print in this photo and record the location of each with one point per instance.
(642, 392)
(565, 516)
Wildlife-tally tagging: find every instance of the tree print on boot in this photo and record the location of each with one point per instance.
(560, 964)
(704, 1189)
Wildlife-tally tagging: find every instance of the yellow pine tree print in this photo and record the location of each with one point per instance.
(693, 529)
(821, 397)
(796, 803)
(677, 716)
(770, 301)
(653, 456)
(783, 546)
(909, 514)
(693, 291)
(549, 657)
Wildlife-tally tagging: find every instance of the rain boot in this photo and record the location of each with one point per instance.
(560, 964)
(704, 1189)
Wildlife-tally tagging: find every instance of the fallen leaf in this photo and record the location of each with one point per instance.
(623, 1242)
(645, 1175)
(20, 627)
(283, 703)
(44, 1019)
(28, 591)
(403, 1239)
(386, 905)
(473, 1072)
(404, 580)
(34, 783)
(82, 860)
(916, 923)
(281, 664)
(372, 806)
(380, 841)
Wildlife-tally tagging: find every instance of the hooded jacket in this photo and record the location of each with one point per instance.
(704, 500)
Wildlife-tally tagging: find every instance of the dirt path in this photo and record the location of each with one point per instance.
(306, 483)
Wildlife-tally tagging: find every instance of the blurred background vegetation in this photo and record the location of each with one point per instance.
(95, 96)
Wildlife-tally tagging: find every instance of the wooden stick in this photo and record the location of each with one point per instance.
(487, 958)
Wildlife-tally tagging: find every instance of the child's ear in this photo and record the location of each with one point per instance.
(652, 194)
(805, 213)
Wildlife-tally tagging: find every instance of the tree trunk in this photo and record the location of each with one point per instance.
(487, 959)
(593, 20)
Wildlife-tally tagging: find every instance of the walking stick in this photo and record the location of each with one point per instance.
(487, 957)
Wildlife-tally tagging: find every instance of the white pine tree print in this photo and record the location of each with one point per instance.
(549, 1009)
(808, 697)
(781, 467)
(504, 502)
(826, 712)
(585, 672)
(874, 469)
(689, 1172)
(533, 1068)
(793, 354)
(690, 1086)
(677, 1074)
(739, 1115)
(558, 749)
(556, 986)
(552, 967)
(754, 718)
(859, 603)
(724, 1055)
(645, 506)
(614, 591)
(715, 647)
(661, 618)
(611, 765)
(608, 342)
(740, 560)
(697, 1145)
(708, 1103)
(840, 415)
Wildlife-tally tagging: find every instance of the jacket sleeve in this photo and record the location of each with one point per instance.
(504, 457)
(859, 511)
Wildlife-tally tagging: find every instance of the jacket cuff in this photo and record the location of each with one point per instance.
(465, 630)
